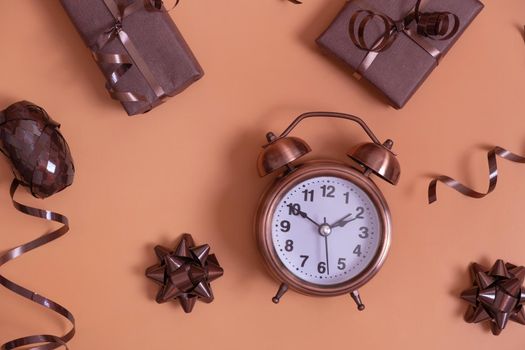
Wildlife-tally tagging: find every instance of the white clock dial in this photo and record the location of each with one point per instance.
(326, 230)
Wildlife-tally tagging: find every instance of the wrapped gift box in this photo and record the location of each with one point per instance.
(162, 65)
(400, 69)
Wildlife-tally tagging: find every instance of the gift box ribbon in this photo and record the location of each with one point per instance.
(123, 62)
(433, 25)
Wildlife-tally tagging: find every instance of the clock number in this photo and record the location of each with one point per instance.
(347, 197)
(289, 245)
(321, 268)
(294, 209)
(357, 250)
(360, 212)
(308, 195)
(304, 257)
(285, 226)
(328, 191)
(341, 263)
(364, 232)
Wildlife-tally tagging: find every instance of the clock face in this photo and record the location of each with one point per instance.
(326, 230)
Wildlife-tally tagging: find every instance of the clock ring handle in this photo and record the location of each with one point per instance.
(331, 115)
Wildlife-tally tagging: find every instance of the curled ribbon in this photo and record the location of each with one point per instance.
(46, 341)
(434, 25)
(159, 5)
(123, 62)
(493, 176)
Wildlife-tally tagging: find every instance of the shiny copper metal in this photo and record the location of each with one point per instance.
(379, 159)
(283, 150)
(281, 186)
(497, 295)
(336, 115)
(280, 152)
(185, 273)
(357, 299)
(467, 191)
(283, 288)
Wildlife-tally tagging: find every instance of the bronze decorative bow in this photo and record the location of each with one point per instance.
(123, 62)
(493, 176)
(434, 25)
(185, 274)
(497, 295)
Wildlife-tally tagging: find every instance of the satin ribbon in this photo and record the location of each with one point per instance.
(45, 341)
(467, 191)
(433, 25)
(159, 5)
(123, 62)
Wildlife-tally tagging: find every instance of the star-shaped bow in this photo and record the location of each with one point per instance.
(497, 295)
(185, 273)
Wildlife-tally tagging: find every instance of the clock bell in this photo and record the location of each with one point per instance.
(375, 157)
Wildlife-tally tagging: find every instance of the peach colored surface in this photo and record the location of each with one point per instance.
(189, 166)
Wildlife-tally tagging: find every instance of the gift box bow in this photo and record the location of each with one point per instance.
(438, 25)
(123, 62)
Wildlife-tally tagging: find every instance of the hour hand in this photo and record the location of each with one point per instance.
(305, 216)
(343, 221)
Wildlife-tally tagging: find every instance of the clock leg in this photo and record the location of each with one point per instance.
(357, 299)
(283, 288)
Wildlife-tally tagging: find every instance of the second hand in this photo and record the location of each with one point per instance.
(326, 249)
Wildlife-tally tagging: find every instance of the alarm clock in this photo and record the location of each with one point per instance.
(323, 227)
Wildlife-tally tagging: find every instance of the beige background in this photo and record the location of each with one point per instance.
(189, 166)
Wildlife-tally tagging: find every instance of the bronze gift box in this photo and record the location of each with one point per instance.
(138, 48)
(391, 50)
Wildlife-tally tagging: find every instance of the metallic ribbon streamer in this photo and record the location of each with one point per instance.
(42, 341)
(433, 25)
(467, 191)
(123, 62)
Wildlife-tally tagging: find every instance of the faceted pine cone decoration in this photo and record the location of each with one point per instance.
(38, 152)
(497, 295)
(185, 274)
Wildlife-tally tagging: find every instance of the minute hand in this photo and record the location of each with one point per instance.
(344, 220)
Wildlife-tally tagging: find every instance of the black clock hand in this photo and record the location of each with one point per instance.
(302, 214)
(343, 221)
(326, 249)
(305, 216)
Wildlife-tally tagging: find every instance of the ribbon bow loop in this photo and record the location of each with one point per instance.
(435, 25)
(400, 25)
(122, 62)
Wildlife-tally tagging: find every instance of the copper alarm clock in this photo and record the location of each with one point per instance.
(323, 227)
